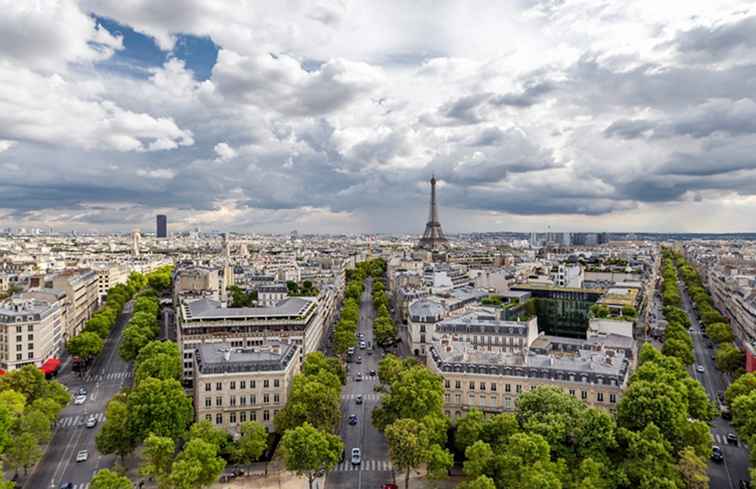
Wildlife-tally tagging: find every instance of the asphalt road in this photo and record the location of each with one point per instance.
(105, 378)
(727, 474)
(375, 468)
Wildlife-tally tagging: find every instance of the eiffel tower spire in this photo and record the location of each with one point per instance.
(433, 237)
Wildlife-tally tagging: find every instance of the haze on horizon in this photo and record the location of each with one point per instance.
(330, 116)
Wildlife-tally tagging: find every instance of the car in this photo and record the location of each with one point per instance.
(732, 438)
(373, 373)
(83, 390)
(66, 485)
(358, 400)
(370, 352)
(744, 484)
(352, 419)
(79, 400)
(91, 421)
(350, 350)
(82, 456)
(700, 369)
(359, 359)
(709, 346)
(358, 377)
(356, 456)
(716, 454)
(363, 345)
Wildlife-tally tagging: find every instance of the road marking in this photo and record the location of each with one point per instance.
(366, 466)
(366, 397)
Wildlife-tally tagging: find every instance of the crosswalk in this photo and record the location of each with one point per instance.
(108, 376)
(368, 378)
(79, 420)
(720, 439)
(366, 465)
(83, 485)
(365, 397)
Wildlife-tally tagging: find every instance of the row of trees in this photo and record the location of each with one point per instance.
(677, 341)
(658, 438)
(344, 334)
(411, 416)
(384, 328)
(29, 407)
(728, 357)
(741, 397)
(306, 289)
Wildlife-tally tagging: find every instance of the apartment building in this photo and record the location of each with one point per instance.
(108, 276)
(31, 332)
(82, 297)
(295, 321)
(237, 384)
(486, 366)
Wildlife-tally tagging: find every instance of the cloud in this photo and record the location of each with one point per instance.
(224, 151)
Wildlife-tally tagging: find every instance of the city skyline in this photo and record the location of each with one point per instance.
(331, 117)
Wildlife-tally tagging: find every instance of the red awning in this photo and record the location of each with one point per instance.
(2, 372)
(50, 366)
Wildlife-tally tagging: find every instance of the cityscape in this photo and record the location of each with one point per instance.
(358, 245)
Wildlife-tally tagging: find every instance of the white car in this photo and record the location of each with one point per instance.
(356, 456)
(78, 400)
(700, 369)
(91, 421)
(82, 456)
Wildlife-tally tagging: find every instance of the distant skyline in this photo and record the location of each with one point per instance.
(331, 116)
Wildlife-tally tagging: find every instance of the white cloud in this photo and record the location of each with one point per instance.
(159, 173)
(224, 151)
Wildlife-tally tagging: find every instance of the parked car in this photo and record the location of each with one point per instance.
(91, 421)
(66, 485)
(359, 360)
(716, 454)
(373, 373)
(363, 345)
(744, 484)
(356, 456)
(78, 400)
(732, 438)
(358, 377)
(700, 369)
(352, 419)
(390, 485)
(83, 390)
(82, 456)
(359, 399)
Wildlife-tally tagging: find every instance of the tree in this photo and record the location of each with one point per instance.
(107, 479)
(252, 442)
(719, 333)
(693, 470)
(552, 413)
(315, 399)
(198, 465)
(408, 445)
(316, 362)
(648, 463)
(497, 429)
(469, 429)
(525, 463)
(157, 459)
(36, 423)
(729, 358)
(390, 367)
(650, 403)
(100, 325)
(439, 461)
(23, 453)
(743, 419)
(743, 385)
(115, 436)
(343, 340)
(677, 347)
(416, 393)
(85, 345)
(307, 451)
(159, 407)
(160, 366)
(133, 339)
(480, 482)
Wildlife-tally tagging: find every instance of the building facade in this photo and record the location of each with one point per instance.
(161, 223)
(82, 296)
(31, 332)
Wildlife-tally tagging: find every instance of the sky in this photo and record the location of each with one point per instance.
(331, 116)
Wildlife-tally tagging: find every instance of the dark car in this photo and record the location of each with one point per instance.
(716, 454)
(352, 419)
(373, 373)
(66, 485)
(83, 390)
(743, 484)
(359, 399)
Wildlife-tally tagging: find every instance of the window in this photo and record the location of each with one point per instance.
(600, 396)
(232, 401)
(219, 401)
(572, 392)
(583, 395)
(252, 399)
(232, 385)
(251, 384)
(493, 387)
(243, 417)
(518, 388)
(266, 415)
(30, 355)
(482, 386)
(472, 386)
(507, 388)
(232, 418)
(242, 400)
(275, 383)
(30, 337)
(208, 386)
(613, 398)
(266, 398)
(458, 398)
(19, 338)
(19, 356)
(275, 398)
(508, 403)
(30, 328)
(447, 384)
(208, 402)
(242, 384)
(457, 384)
(30, 346)
(471, 397)
(219, 418)
(218, 386)
(253, 415)
(266, 383)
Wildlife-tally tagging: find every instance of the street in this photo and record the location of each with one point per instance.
(725, 475)
(105, 378)
(375, 468)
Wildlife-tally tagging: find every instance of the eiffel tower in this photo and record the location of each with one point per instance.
(433, 237)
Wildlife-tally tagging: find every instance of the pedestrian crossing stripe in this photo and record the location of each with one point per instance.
(84, 485)
(79, 420)
(366, 397)
(366, 465)
(108, 376)
(722, 440)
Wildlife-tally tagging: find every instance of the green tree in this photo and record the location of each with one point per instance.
(252, 443)
(677, 347)
(157, 459)
(100, 325)
(439, 461)
(36, 423)
(649, 403)
(416, 393)
(198, 465)
(499, 428)
(469, 429)
(133, 339)
(719, 333)
(23, 453)
(343, 339)
(693, 469)
(480, 482)
(390, 366)
(729, 358)
(316, 362)
(315, 399)
(648, 463)
(307, 451)
(85, 345)
(107, 479)
(115, 436)
(743, 385)
(159, 407)
(408, 444)
(743, 419)
(525, 463)
(205, 430)
(552, 413)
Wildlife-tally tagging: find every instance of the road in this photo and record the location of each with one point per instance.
(728, 474)
(106, 377)
(375, 468)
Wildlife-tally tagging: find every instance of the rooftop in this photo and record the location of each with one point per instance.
(219, 358)
(206, 308)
